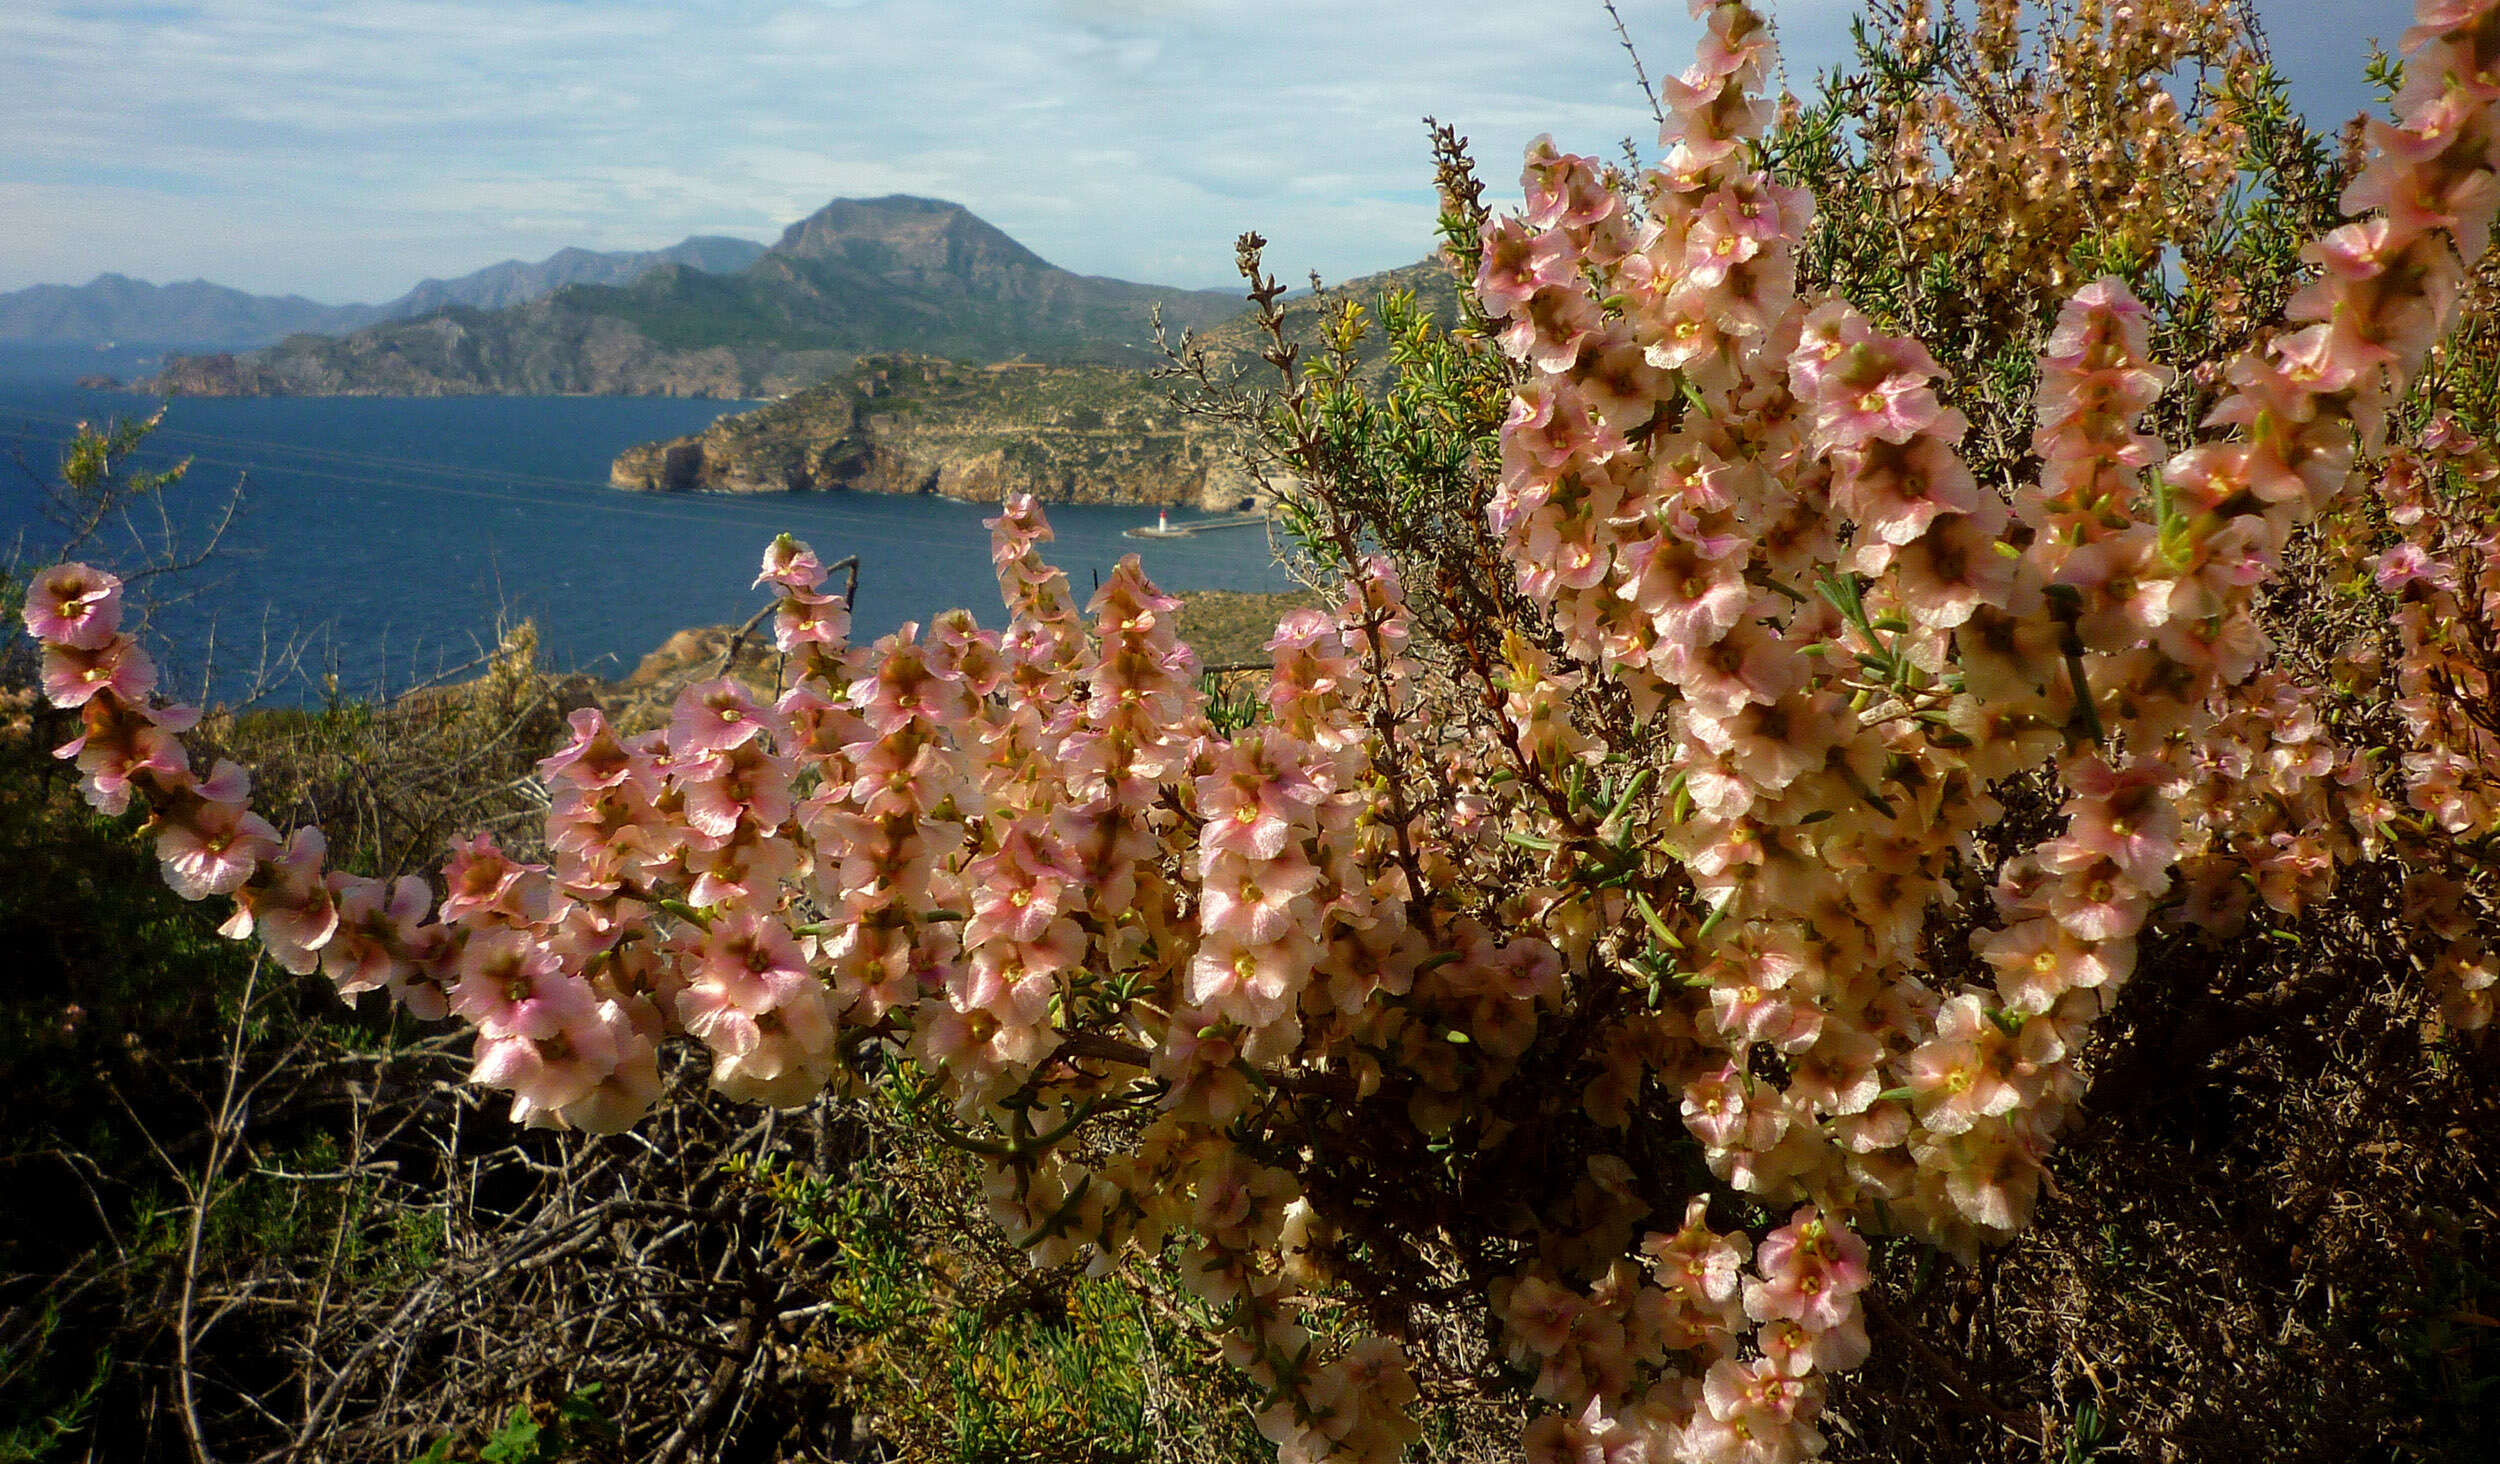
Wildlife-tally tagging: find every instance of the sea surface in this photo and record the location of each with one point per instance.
(383, 540)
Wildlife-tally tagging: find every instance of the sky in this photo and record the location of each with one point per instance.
(344, 149)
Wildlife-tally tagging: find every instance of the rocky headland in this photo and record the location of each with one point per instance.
(919, 424)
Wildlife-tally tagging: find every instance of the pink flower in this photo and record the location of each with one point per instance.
(2037, 961)
(1618, 383)
(1691, 598)
(1947, 573)
(1253, 984)
(1020, 890)
(212, 848)
(378, 922)
(2097, 901)
(1876, 387)
(1812, 1268)
(74, 606)
(550, 1073)
(1747, 665)
(1257, 902)
(1991, 1175)
(904, 688)
(810, 620)
(2126, 815)
(1549, 330)
(512, 986)
(1697, 1263)
(1896, 491)
(2409, 564)
(72, 675)
(631, 1083)
(748, 783)
(1840, 1074)
(1965, 1072)
(1260, 795)
(1537, 1316)
(1754, 1413)
(790, 564)
(596, 758)
(1563, 188)
(1516, 264)
(482, 886)
(127, 741)
(290, 904)
(1775, 743)
(747, 964)
(716, 717)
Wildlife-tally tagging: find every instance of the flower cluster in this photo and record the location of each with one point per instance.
(1365, 983)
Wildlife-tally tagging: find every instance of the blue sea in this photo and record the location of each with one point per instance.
(383, 540)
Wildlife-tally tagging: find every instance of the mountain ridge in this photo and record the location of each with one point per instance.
(855, 277)
(115, 307)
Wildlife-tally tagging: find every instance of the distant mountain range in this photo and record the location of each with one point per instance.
(857, 276)
(117, 308)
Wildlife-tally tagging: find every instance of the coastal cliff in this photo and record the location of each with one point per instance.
(917, 424)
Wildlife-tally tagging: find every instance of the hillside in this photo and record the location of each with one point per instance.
(858, 276)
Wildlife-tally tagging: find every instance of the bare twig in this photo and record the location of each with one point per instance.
(1640, 74)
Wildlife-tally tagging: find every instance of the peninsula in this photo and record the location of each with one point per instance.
(900, 423)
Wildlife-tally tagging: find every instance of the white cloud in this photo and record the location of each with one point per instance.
(343, 148)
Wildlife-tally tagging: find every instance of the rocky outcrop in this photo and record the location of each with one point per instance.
(223, 374)
(915, 424)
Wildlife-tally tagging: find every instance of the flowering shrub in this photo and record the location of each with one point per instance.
(1500, 980)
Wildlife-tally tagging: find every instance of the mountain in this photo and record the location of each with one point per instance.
(856, 277)
(512, 282)
(114, 307)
